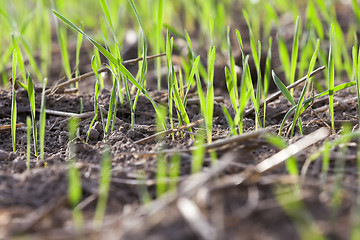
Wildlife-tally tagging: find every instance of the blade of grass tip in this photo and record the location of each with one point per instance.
(31, 95)
(169, 48)
(210, 94)
(230, 87)
(105, 8)
(104, 187)
(42, 121)
(240, 45)
(302, 96)
(283, 88)
(13, 102)
(252, 40)
(231, 79)
(244, 98)
(20, 60)
(331, 80)
(284, 58)
(30, 58)
(190, 80)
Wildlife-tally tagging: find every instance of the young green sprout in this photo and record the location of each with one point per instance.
(42, 121)
(31, 95)
(13, 102)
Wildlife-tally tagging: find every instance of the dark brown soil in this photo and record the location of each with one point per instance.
(34, 204)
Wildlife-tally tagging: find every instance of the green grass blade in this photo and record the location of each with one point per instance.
(77, 55)
(283, 88)
(210, 94)
(28, 142)
(294, 52)
(42, 121)
(230, 87)
(194, 69)
(13, 102)
(31, 95)
(284, 58)
(302, 96)
(105, 8)
(230, 121)
(331, 80)
(20, 60)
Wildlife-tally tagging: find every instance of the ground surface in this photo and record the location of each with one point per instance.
(34, 203)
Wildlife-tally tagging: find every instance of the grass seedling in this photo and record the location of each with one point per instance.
(300, 105)
(31, 94)
(303, 92)
(267, 76)
(256, 56)
(116, 61)
(207, 102)
(42, 121)
(243, 100)
(175, 88)
(104, 187)
(74, 179)
(331, 78)
(28, 143)
(248, 82)
(13, 101)
(96, 95)
(169, 48)
(20, 61)
(231, 77)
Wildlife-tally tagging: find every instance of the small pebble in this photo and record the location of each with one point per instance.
(19, 165)
(98, 126)
(94, 134)
(3, 155)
